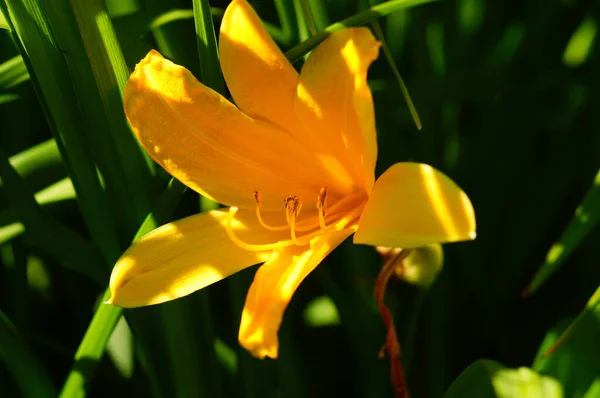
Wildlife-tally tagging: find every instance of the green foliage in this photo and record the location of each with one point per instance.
(506, 94)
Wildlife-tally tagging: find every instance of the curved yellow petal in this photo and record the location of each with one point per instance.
(261, 79)
(413, 205)
(186, 255)
(274, 284)
(334, 101)
(207, 143)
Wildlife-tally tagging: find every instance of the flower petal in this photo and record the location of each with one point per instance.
(261, 79)
(413, 205)
(186, 255)
(207, 143)
(274, 284)
(335, 104)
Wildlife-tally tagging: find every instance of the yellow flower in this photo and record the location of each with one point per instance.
(294, 161)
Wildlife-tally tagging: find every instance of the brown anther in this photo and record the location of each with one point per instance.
(257, 197)
(292, 205)
(321, 199)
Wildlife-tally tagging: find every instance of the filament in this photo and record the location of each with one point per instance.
(240, 243)
(257, 196)
(336, 215)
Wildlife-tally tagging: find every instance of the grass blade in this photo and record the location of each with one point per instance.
(12, 73)
(46, 62)
(105, 319)
(48, 234)
(577, 346)
(585, 218)
(98, 74)
(390, 58)
(360, 18)
(27, 370)
(210, 70)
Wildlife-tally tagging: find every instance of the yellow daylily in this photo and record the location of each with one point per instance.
(294, 142)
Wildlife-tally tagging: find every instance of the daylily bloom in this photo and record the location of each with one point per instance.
(294, 161)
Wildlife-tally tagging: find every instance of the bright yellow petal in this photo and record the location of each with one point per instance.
(413, 205)
(261, 79)
(334, 102)
(274, 284)
(184, 256)
(207, 143)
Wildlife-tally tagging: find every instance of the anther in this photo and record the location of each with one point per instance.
(258, 199)
(292, 210)
(321, 207)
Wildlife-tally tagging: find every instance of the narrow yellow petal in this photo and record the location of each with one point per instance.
(274, 284)
(334, 101)
(208, 144)
(261, 79)
(184, 256)
(413, 205)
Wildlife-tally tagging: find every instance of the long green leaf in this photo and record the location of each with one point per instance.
(31, 377)
(489, 379)
(98, 74)
(39, 165)
(48, 234)
(47, 65)
(12, 73)
(93, 345)
(585, 219)
(360, 18)
(210, 70)
(572, 356)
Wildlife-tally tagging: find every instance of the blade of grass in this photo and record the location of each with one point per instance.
(39, 165)
(308, 17)
(54, 194)
(210, 71)
(362, 17)
(45, 60)
(49, 235)
(96, 337)
(577, 345)
(390, 58)
(29, 373)
(12, 73)
(98, 74)
(585, 219)
(284, 34)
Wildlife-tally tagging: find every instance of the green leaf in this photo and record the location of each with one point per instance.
(390, 58)
(210, 70)
(39, 165)
(49, 235)
(489, 379)
(29, 373)
(572, 356)
(3, 21)
(91, 348)
(98, 74)
(585, 219)
(360, 18)
(12, 73)
(46, 62)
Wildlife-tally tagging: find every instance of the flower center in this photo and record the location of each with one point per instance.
(337, 217)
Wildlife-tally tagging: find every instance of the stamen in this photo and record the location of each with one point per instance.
(301, 241)
(292, 210)
(257, 196)
(321, 207)
(244, 245)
